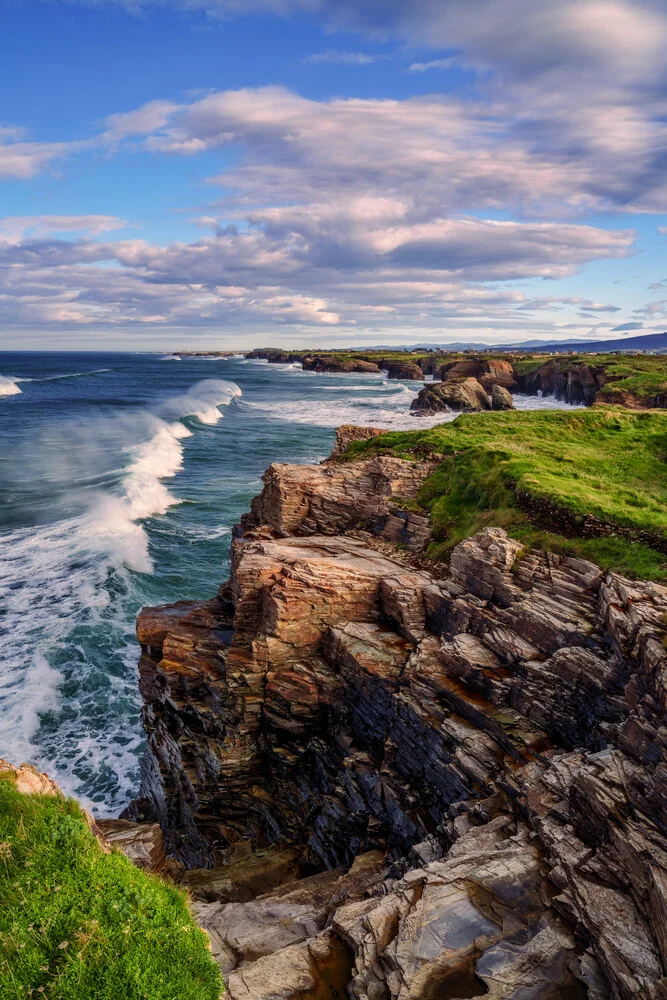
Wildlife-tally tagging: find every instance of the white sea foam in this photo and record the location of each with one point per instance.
(201, 401)
(55, 583)
(388, 406)
(8, 386)
(170, 357)
(54, 378)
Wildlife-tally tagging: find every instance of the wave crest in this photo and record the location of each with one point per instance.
(8, 386)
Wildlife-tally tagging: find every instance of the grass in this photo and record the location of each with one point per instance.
(505, 468)
(78, 924)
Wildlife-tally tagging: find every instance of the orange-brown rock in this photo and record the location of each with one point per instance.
(494, 736)
(404, 370)
(488, 371)
(333, 498)
(348, 433)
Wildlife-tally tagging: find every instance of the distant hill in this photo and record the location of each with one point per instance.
(646, 342)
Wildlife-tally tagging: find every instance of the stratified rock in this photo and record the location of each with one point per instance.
(501, 399)
(242, 880)
(142, 843)
(493, 735)
(405, 370)
(333, 498)
(348, 433)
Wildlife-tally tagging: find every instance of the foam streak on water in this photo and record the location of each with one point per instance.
(65, 591)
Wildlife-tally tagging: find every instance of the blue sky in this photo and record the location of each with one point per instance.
(322, 171)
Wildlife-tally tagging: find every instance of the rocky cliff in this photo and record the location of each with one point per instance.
(393, 780)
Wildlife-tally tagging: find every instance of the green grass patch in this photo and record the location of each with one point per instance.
(609, 463)
(78, 924)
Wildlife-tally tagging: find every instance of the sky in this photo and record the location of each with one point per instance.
(231, 173)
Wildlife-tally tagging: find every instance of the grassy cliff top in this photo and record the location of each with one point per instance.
(78, 924)
(589, 482)
(642, 375)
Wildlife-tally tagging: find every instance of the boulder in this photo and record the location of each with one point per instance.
(454, 394)
(501, 399)
(429, 401)
(464, 394)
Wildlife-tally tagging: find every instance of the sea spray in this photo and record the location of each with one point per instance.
(8, 386)
(66, 699)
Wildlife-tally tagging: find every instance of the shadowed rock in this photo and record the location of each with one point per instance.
(501, 399)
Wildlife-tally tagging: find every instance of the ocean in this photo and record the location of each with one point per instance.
(120, 478)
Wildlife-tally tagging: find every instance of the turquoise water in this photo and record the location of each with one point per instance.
(120, 478)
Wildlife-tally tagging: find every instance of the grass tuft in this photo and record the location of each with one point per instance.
(78, 924)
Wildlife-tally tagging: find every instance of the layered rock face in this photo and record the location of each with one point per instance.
(405, 370)
(574, 382)
(410, 782)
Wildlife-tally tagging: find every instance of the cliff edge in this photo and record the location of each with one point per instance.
(391, 779)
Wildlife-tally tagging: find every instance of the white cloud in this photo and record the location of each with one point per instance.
(148, 118)
(371, 213)
(14, 227)
(338, 58)
(22, 160)
(421, 67)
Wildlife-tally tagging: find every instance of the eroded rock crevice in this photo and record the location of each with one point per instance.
(388, 782)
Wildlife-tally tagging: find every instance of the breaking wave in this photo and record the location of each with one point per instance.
(64, 582)
(8, 386)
